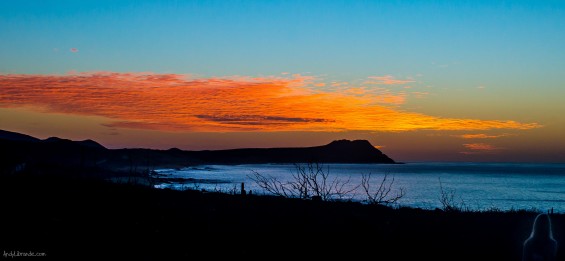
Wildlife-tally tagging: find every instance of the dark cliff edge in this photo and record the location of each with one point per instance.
(339, 151)
(22, 151)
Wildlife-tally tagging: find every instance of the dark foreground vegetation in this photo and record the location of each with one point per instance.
(56, 199)
(74, 218)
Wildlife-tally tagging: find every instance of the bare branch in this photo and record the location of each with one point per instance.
(309, 180)
(447, 199)
(270, 184)
(382, 194)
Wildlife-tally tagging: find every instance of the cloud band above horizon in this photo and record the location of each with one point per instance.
(173, 102)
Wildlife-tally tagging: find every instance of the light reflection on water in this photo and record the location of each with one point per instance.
(479, 186)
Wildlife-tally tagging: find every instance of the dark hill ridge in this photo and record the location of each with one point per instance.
(339, 151)
(14, 136)
(83, 143)
(18, 137)
(23, 149)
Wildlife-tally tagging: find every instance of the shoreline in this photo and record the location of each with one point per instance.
(478, 188)
(70, 217)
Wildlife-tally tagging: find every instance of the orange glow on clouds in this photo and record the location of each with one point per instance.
(376, 95)
(175, 102)
(481, 146)
(386, 80)
(483, 136)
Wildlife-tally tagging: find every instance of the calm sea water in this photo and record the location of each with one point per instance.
(478, 186)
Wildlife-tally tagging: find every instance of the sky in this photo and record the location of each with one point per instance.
(421, 80)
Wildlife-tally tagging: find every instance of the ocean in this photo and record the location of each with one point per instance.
(471, 186)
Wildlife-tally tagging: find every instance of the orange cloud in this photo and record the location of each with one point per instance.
(377, 95)
(338, 84)
(386, 80)
(483, 136)
(481, 146)
(179, 103)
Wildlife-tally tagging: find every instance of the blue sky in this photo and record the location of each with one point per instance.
(485, 60)
(341, 38)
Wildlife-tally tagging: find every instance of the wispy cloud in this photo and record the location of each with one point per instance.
(175, 102)
(377, 95)
(386, 80)
(483, 136)
(477, 148)
(480, 148)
